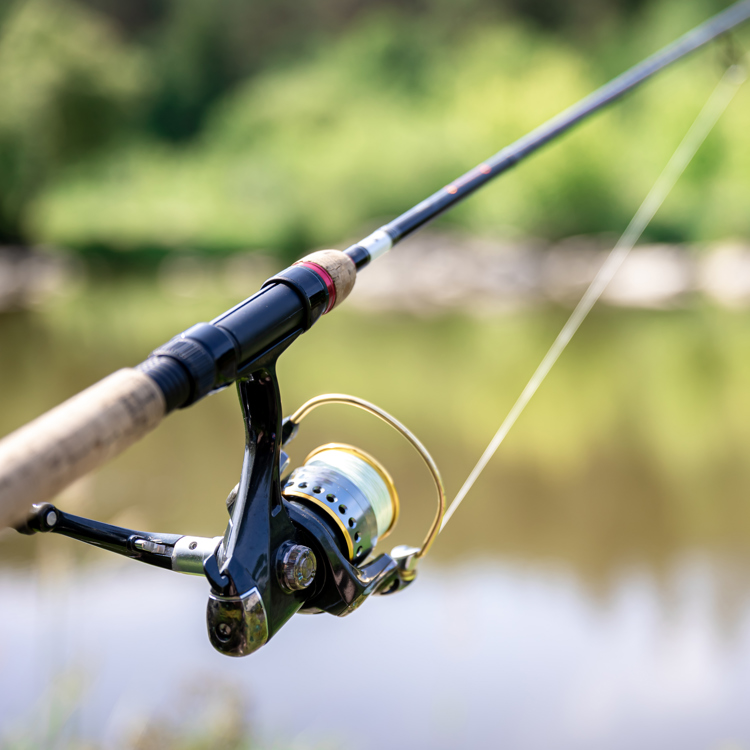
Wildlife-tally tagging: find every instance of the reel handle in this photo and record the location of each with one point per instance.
(40, 459)
(177, 552)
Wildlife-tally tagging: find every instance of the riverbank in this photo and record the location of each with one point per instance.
(436, 272)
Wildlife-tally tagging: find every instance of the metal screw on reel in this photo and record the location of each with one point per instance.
(296, 567)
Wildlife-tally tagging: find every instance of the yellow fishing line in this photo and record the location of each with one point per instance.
(699, 130)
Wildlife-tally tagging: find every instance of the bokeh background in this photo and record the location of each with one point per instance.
(160, 158)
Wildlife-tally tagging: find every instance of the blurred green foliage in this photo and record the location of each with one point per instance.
(66, 86)
(246, 125)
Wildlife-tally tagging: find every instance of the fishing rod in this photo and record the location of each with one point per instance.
(299, 541)
(383, 239)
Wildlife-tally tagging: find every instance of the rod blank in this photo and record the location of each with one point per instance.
(447, 197)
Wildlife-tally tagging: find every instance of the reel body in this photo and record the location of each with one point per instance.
(304, 545)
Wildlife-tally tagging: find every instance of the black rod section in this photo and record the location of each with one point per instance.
(387, 236)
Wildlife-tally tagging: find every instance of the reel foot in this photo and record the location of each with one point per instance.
(237, 625)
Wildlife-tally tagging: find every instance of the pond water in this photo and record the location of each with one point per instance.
(593, 590)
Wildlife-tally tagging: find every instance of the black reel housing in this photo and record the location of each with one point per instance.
(279, 555)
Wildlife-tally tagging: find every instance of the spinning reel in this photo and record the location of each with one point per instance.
(299, 541)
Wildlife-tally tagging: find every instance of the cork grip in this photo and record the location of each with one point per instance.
(340, 268)
(40, 459)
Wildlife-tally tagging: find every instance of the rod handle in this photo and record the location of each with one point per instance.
(43, 457)
(340, 269)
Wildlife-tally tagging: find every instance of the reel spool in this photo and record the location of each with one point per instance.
(352, 492)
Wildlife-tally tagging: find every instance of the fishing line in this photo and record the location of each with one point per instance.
(362, 474)
(699, 130)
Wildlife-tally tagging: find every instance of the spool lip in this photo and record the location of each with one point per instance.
(331, 513)
(375, 464)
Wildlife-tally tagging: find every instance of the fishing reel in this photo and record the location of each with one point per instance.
(296, 541)
(330, 514)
